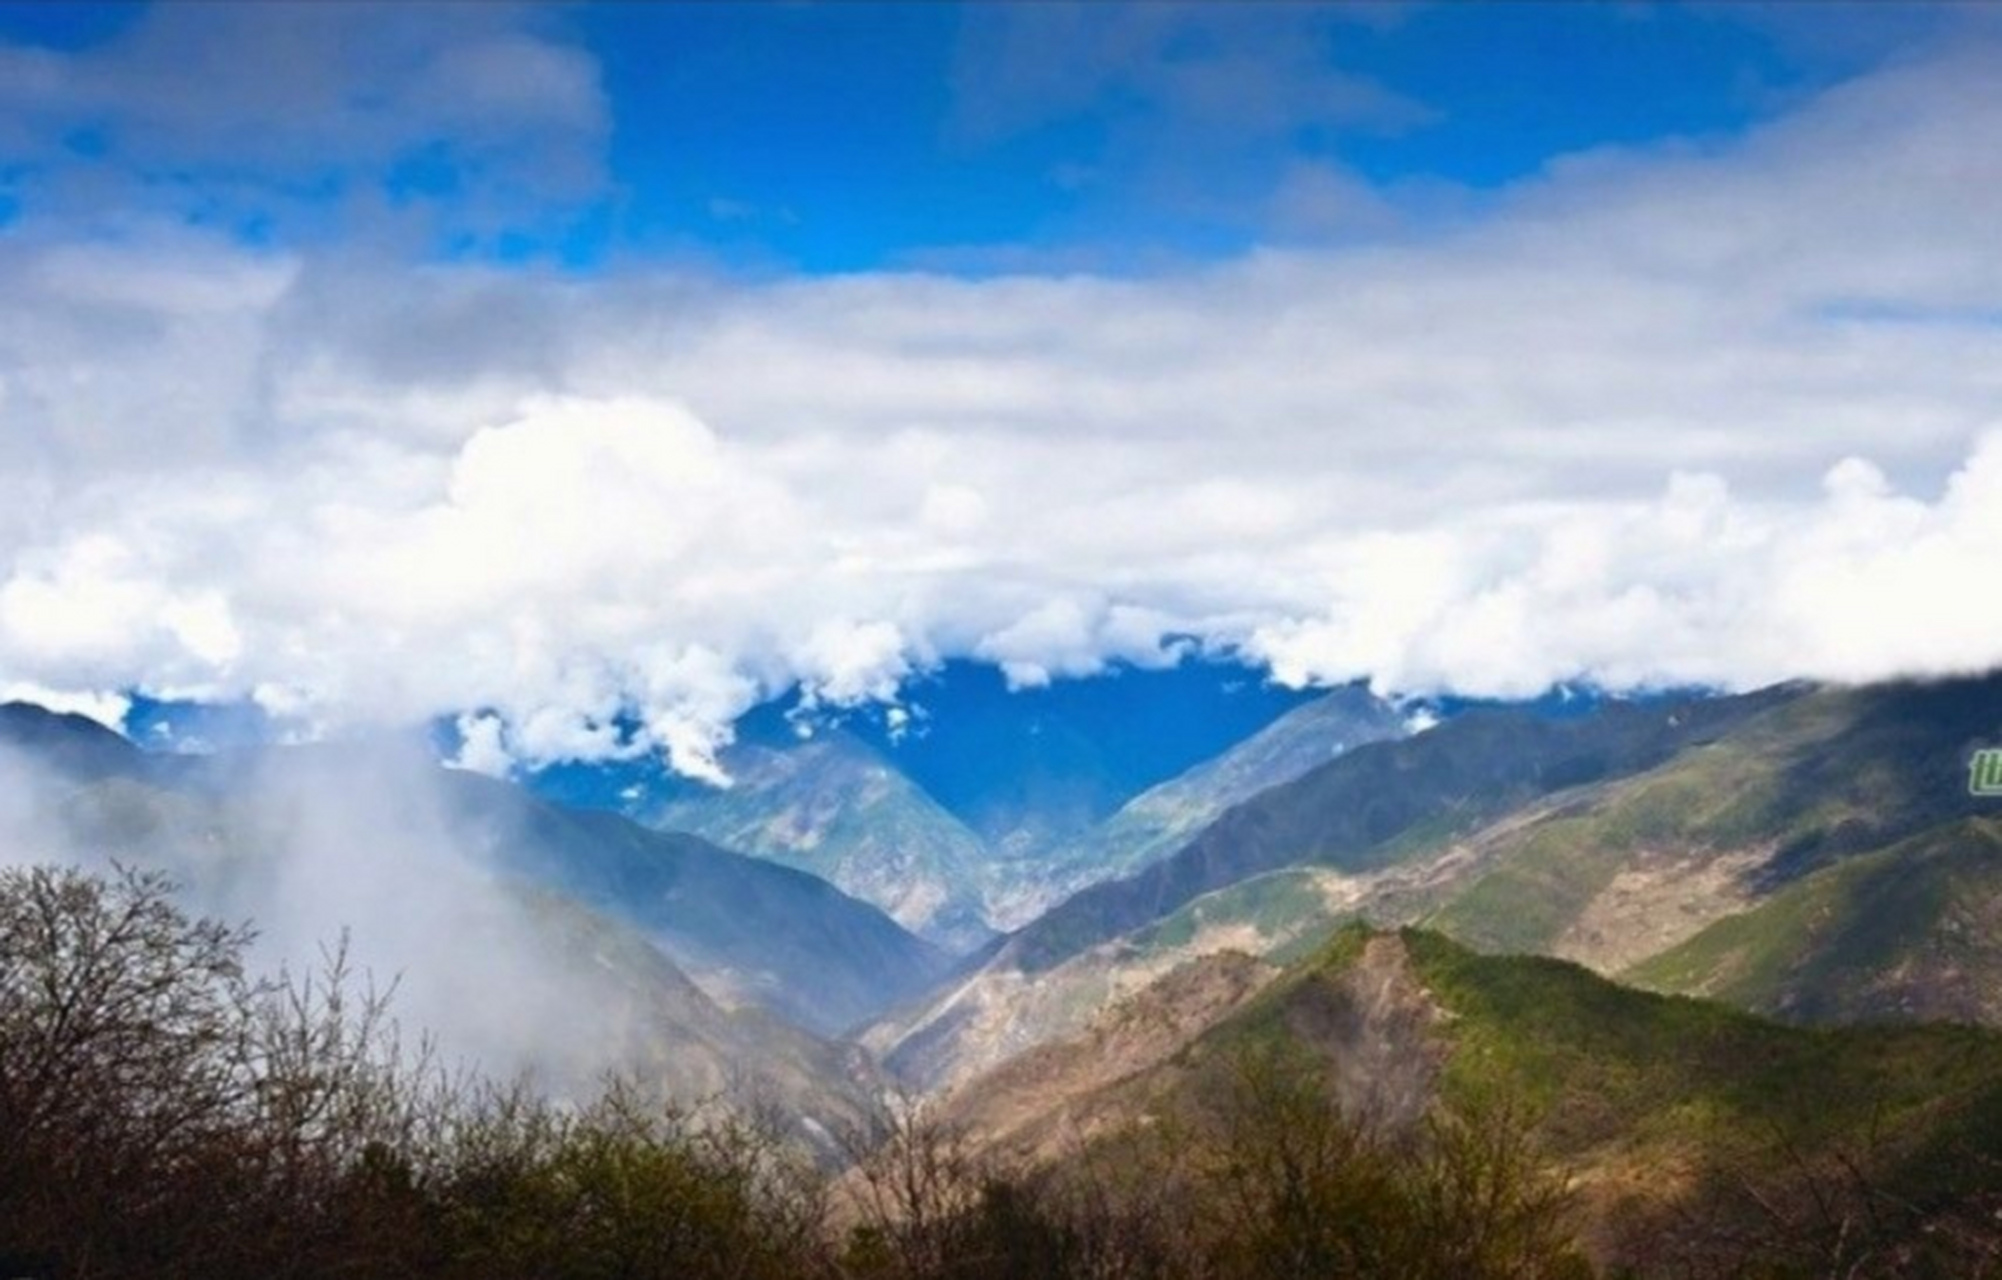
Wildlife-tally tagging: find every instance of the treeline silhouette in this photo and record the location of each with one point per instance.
(164, 1113)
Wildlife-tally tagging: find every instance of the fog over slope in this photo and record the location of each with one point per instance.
(319, 846)
(311, 865)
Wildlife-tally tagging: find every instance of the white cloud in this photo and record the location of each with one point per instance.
(482, 746)
(1718, 414)
(1862, 584)
(108, 709)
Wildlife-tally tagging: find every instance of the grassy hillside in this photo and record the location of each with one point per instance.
(1826, 777)
(1671, 1118)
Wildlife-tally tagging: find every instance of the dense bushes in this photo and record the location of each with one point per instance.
(164, 1114)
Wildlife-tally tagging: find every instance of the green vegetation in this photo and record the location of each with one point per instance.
(1809, 784)
(1544, 883)
(1606, 1059)
(1695, 1139)
(1277, 906)
(1385, 803)
(1906, 931)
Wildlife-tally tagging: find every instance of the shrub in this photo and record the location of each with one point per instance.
(168, 1116)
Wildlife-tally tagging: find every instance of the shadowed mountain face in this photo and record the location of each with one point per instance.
(1023, 767)
(72, 750)
(750, 930)
(1158, 821)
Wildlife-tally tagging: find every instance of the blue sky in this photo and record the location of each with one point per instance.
(586, 375)
(840, 137)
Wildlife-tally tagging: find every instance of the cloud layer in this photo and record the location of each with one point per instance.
(1722, 412)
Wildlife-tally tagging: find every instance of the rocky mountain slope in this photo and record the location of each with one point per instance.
(1905, 933)
(834, 806)
(1377, 805)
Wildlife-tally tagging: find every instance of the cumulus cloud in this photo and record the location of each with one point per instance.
(1693, 587)
(1720, 413)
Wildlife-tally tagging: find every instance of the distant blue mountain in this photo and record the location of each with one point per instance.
(1016, 766)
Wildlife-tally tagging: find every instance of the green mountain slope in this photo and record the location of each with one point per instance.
(1489, 835)
(1831, 775)
(1380, 804)
(1912, 931)
(1675, 1120)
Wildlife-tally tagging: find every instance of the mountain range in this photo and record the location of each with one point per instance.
(1677, 925)
(1611, 838)
(998, 805)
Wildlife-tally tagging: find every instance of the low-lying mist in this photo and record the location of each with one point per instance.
(329, 847)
